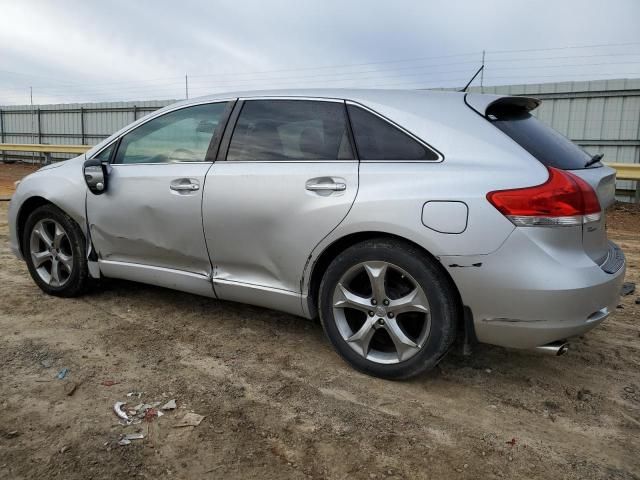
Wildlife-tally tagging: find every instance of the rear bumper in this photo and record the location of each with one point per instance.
(528, 293)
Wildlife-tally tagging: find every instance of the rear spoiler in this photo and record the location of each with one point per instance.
(498, 106)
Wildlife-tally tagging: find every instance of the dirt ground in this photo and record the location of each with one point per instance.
(279, 403)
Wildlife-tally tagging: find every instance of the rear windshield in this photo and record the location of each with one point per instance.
(543, 142)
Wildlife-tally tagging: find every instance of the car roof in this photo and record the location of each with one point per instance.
(356, 95)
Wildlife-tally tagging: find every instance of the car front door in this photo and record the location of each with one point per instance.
(151, 215)
(286, 175)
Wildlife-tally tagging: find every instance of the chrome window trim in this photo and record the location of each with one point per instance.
(287, 97)
(403, 130)
(354, 160)
(158, 163)
(153, 116)
(293, 97)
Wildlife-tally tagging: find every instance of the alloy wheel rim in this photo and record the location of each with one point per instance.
(51, 253)
(381, 312)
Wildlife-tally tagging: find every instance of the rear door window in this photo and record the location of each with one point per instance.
(547, 145)
(290, 130)
(377, 139)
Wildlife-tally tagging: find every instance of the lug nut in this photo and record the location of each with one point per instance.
(374, 302)
(381, 321)
(385, 302)
(390, 315)
(371, 314)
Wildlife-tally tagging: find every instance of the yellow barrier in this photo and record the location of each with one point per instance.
(38, 147)
(625, 171)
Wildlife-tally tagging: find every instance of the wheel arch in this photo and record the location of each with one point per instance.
(323, 260)
(29, 206)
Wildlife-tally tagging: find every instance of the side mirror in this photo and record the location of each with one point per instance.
(96, 176)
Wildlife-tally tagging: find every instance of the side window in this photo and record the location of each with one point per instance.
(290, 130)
(377, 139)
(105, 154)
(180, 136)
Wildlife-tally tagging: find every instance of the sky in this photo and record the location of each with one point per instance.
(84, 51)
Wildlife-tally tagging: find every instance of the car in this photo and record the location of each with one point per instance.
(404, 220)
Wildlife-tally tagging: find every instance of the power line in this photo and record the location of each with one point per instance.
(528, 59)
(563, 79)
(567, 48)
(236, 80)
(420, 84)
(350, 77)
(395, 61)
(83, 90)
(339, 77)
(346, 77)
(73, 84)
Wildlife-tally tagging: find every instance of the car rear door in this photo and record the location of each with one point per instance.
(151, 215)
(286, 175)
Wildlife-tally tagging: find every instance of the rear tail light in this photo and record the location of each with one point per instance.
(563, 200)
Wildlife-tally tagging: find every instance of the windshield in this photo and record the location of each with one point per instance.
(543, 142)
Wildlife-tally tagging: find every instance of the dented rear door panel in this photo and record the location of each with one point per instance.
(261, 223)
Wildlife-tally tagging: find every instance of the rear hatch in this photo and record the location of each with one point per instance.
(512, 116)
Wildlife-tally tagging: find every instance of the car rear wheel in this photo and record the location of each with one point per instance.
(388, 309)
(54, 249)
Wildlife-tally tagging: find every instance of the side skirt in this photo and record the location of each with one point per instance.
(274, 298)
(159, 276)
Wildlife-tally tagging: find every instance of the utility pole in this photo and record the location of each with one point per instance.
(482, 74)
(186, 86)
(33, 130)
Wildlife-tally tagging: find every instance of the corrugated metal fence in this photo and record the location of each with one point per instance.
(68, 124)
(602, 116)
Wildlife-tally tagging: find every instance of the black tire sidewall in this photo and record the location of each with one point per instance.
(440, 294)
(79, 276)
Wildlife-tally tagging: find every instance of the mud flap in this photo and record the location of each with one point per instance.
(470, 338)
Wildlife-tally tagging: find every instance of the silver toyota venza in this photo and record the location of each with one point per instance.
(403, 219)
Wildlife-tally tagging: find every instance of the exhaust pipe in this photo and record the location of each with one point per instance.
(555, 348)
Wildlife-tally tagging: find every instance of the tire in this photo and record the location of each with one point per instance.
(397, 345)
(71, 276)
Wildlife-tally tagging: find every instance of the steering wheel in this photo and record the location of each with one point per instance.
(182, 155)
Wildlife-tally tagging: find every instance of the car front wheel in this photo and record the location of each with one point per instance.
(54, 249)
(388, 308)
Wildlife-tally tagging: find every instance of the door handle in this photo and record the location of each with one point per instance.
(188, 187)
(184, 185)
(327, 187)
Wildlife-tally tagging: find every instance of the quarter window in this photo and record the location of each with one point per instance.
(377, 139)
(105, 154)
(279, 130)
(180, 136)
